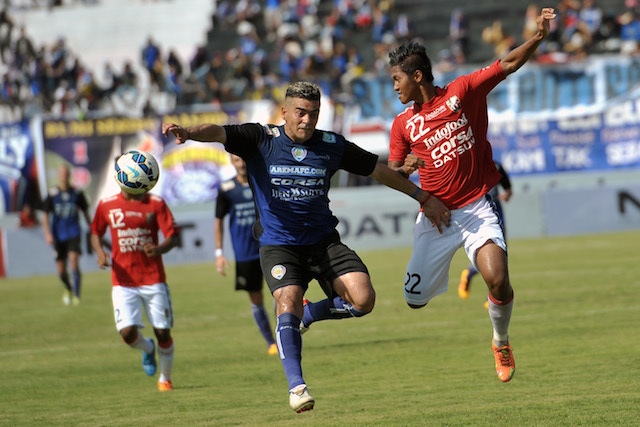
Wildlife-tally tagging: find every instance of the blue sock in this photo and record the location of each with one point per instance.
(260, 316)
(329, 309)
(76, 283)
(290, 346)
(472, 272)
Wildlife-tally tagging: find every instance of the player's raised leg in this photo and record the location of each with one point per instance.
(359, 299)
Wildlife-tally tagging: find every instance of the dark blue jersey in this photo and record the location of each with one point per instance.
(291, 181)
(63, 206)
(236, 200)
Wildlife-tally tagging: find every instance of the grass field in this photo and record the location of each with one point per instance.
(575, 333)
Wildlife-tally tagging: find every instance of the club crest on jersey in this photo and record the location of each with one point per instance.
(454, 104)
(278, 271)
(272, 131)
(299, 153)
(328, 138)
(247, 193)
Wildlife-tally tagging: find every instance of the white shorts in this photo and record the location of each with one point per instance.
(470, 227)
(129, 301)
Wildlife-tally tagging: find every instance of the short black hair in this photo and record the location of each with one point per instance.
(412, 56)
(304, 90)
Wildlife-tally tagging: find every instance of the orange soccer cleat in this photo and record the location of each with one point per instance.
(463, 287)
(273, 349)
(505, 365)
(165, 385)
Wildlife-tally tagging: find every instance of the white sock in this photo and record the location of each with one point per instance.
(500, 315)
(141, 343)
(166, 362)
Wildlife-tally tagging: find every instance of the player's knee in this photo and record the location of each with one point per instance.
(498, 283)
(366, 304)
(163, 335)
(129, 334)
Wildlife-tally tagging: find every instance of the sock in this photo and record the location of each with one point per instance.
(500, 315)
(262, 320)
(472, 272)
(165, 354)
(289, 343)
(141, 343)
(65, 280)
(76, 283)
(329, 309)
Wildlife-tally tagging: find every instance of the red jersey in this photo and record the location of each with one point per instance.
(134, 223)
(449, 132)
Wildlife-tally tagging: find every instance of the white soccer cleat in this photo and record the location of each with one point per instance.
(300, 400)
(66, 298)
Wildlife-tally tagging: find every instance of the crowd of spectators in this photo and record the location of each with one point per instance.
(277, 41)
(582, 28)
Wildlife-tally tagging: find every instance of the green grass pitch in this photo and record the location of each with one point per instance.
(574, 331)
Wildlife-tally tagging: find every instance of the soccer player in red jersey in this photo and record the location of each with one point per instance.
(446, 128)
(137, 272)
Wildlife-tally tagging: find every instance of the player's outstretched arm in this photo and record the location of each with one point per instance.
(433, 208)
(518, 56)
(203, 133)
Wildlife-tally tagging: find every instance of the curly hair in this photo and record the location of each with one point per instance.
(304, 90)
(412, 56)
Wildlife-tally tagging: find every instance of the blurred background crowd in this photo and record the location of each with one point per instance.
(255, 47)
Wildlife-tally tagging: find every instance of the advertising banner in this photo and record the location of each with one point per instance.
(18, 170)
(90, 147)
(604, 140)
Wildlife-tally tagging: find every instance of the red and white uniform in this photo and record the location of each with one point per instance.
(450, 134)
(134, 223)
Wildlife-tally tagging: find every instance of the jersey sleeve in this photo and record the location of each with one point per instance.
(505, 182)
(223, 205)
(398, 147)
(243, 140)
(82, 201)
(357, 160)
(47, 204)
(481, 82)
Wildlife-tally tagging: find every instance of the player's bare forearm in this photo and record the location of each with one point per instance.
(411, 164)
(397, 166)
(520, 55)
(102, 257)
(436, 211)
(169, 243)
(208, 132)
(394, 179)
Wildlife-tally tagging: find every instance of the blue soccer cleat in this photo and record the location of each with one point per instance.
(149, 360)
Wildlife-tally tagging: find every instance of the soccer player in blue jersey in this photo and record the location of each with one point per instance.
(235, 199)
(290, 169)
(64, 204)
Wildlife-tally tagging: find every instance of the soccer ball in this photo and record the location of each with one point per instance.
(137, 171)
